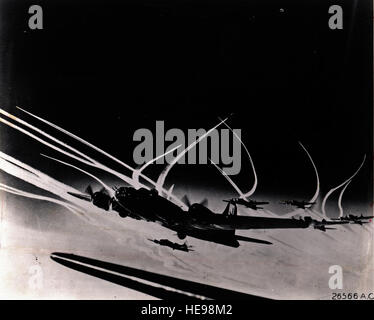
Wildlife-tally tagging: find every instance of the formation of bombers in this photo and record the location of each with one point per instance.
(151, 202)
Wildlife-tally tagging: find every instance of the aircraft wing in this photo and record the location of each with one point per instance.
(321, 225)
(220, 222)
(364, 217)
(330, 223)
(355, 218)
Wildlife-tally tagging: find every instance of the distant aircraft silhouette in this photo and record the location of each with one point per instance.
(173, 245)
(299, 204)
(354, 219)
(252, 204)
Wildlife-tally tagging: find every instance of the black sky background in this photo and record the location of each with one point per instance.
(103, 69)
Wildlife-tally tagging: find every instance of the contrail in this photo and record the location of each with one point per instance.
(44, 134)
(175, 199)
(241, 194)
(164, 173)
(83, 209)
(80, 140)
(90, 161)
(56, 188)
(111, 193)
(340, 185)
(170, 191)
(250, 192)
(30, 175)
(136, 173)
(314, 198)
(44, 142)
(340, 199)
(229, 180)
(24, 169)
(9, 189)
(32, 179)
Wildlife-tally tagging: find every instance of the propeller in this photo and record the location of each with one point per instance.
(204, 202)
(89, 194)
(101, 199)
(187, 201)
(89, 191)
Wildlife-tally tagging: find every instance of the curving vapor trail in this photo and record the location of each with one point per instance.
(340, 185)
(155, 184)
(136, 173)
(250, 192)
(241, 195)
(315, 196)
(340, 199)
(170, 191)
(88, 161)
(164, 173)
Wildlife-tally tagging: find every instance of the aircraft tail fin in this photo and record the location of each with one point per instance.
(227, 209)
(230, 211)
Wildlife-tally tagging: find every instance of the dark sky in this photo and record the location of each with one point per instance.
(106, 68)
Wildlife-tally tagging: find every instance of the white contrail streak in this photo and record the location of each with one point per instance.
(164, 173)
(229, 180)
(24, 169)
(43, 141)
(250, 192)
(170, 191)
(89, 163)
(9, 189)
(79, 139)
(136, 173)
(340, 185)
(56, 188)
(30, 178)
(125, 178)
(315, 196)
(45, 134)
(340, 199)
(111, 193)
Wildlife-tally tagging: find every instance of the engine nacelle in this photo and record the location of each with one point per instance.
(181, 235)
(322, 228)
(101, 200)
